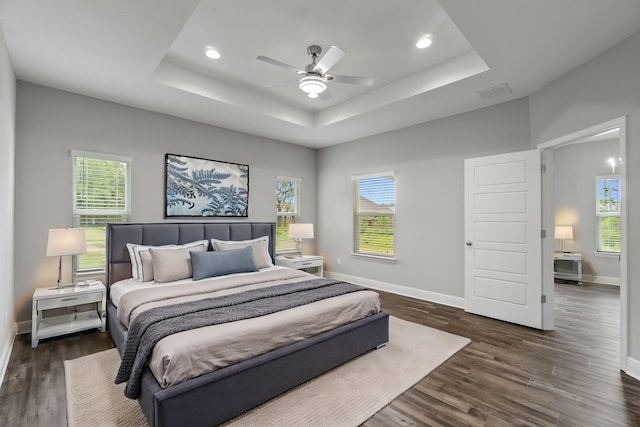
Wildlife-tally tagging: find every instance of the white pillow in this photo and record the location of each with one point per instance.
(260, 248)
(132, 258)
(141, 262)
(171, 264)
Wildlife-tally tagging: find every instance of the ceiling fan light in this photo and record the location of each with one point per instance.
(312, 84)
(312, 95)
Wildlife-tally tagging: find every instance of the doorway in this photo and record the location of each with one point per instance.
(612, 129)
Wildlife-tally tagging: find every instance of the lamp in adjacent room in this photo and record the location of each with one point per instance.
(299, 232)
(64, 242)
(564, 232)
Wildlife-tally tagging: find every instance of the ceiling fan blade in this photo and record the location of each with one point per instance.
(329, 59)
(352, 80)
(280, 64)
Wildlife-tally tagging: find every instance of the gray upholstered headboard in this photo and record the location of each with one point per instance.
(118, 235)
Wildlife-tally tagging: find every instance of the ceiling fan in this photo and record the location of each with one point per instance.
(314, 77)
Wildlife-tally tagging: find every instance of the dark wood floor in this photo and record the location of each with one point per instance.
(515, 376)
(509, 375)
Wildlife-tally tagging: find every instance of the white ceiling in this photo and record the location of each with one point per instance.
(150, 54)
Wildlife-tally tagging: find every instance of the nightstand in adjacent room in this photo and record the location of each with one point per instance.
(53, 326)
(302, 263)
(568, 266)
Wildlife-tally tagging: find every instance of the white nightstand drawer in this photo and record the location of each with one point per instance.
(305, 264)
(69, 300)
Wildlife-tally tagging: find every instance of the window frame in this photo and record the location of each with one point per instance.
(125, 213)
(604, 214)
(295, 216)
(357, 214)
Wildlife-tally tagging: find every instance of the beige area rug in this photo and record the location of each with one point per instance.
(351, 393)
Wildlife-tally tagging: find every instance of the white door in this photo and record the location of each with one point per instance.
(503, 264)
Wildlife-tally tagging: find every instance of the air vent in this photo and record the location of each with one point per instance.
(494, 92)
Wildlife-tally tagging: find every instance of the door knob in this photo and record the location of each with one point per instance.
(468, 243)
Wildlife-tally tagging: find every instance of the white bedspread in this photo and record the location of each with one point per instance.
(189, 354)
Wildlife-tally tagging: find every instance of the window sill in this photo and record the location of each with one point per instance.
(287, 251)
(95, 273)
(607, 254)
(375, 257)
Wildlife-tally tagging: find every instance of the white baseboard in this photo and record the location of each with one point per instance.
(633, 368)
(400, 290)
(6, 352)
(602, 280)
(24, 327)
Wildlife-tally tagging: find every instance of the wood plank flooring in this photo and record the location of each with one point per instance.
(509, 375)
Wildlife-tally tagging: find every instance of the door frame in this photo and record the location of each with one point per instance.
(548, 219)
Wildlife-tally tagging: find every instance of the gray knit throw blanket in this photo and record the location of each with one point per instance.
(154, 324)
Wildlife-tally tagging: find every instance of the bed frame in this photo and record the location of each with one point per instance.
(218, 396)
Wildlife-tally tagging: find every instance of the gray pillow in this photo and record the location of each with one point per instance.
(212, 264)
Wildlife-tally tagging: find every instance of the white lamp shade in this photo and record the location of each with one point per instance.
(301, 231)
(66, 241)
(564, 232)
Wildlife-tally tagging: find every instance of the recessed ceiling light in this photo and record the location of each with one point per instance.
(424, 42)
(211, 52)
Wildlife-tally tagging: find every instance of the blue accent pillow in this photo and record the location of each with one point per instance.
(212, 264)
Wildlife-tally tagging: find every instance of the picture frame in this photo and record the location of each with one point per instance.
(197, 187)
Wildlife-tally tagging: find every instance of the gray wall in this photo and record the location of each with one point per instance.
(428, 160)
(7, 147)
(574, 198)
(602, 89)
(51, 123)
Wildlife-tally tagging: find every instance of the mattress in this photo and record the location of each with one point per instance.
(189, 354)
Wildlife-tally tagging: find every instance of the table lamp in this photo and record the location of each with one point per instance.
(299, 232)
(564, 232)
(63, 242)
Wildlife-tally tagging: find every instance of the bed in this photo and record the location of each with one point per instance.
(217, 396)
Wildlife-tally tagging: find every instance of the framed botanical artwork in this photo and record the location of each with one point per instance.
(196, 187)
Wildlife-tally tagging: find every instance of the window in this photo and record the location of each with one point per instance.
(608, 213)
(101, 189)
(288, 207)
(374, 214)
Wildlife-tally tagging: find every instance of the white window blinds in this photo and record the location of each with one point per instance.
(288, 211)
(101, 195)
(374, 214)
(608, 213)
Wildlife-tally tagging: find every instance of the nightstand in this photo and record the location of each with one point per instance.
(53, 326)
(302, 263)
(568, 266)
